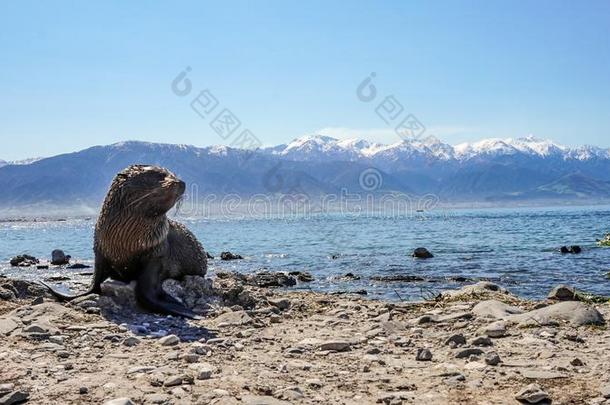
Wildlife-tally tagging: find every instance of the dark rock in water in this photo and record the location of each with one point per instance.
(261, 279)
(422, 253)
(563, 292)
(350, 276)
(24, 261)
(574, 249)
(358, 292)
(209, 256)
(230, 256)
(334, 257)
(57, 278)
(78, 266)
(42, 266)
(59, 258)
(302, 276)
(270, 279)
(398, 278)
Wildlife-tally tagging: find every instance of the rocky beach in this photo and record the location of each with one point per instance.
(256, 344)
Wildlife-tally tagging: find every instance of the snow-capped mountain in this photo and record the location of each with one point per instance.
(491, 169)
(325, 148)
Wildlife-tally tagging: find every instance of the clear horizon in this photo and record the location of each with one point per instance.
(78, 75)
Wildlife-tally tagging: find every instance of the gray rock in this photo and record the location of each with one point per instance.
(575, 313)
(14, 397)
(492, 359)
(59, 258)
(563, 292)
(169, 340)
(121, 294)
(532, 394)
(495, 309)
(157, 398)
(422, 253)
(262, 400)
(335, 345)
(482, 341)
(120, 401)
(456, 340)
(234, 318)
(466, 353)
(482, 288)
(173, 380)
(204, 372)
(604, 390)
(495, 329)
(423, 355)
(7, 325)
(282, 303)
(131, 341)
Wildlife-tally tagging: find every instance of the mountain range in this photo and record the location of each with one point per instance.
(491, 170)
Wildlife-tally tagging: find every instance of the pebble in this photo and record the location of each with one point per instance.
(63, 354)
(157, 399)
(495, 329)
(204, 372)
(492, 359)
(83, 390)
(120, 401)
(576, 362)
(314, 383)
(423, 355)
(456, 340)
(191, 357)
(482, 341)
(282, 303)
(173, 380)
(605, 391)
(14, 397)
(465, 353)
(335, 345)
(532, 394)
(131, 341)
(169, 340)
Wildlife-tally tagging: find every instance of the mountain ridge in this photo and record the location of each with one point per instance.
(488, 170)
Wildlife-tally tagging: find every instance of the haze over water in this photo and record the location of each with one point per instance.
(517, 248)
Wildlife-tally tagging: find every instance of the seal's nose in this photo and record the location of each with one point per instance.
(181, 186)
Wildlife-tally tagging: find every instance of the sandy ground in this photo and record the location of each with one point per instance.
(302, 348)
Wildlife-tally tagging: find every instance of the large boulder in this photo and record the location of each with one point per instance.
(24, 261)
(230, 256)
(477, 291)
(574, 249)
(59, 258)
(575, 313)
(495, 309)
(422, 253)
(563, 292)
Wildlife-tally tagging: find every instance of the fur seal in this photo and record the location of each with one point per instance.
(134, 239)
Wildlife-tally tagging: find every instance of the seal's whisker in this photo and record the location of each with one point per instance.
(141, 198)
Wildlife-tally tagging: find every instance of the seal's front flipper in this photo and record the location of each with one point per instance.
(148, 294)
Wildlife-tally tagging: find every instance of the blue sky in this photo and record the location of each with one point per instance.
(77, 74)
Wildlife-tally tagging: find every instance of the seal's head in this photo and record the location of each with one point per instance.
(147, 190)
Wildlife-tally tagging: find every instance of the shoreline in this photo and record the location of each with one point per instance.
(220, 213)
(268, 346)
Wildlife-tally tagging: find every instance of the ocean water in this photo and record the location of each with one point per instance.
(517, 248)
